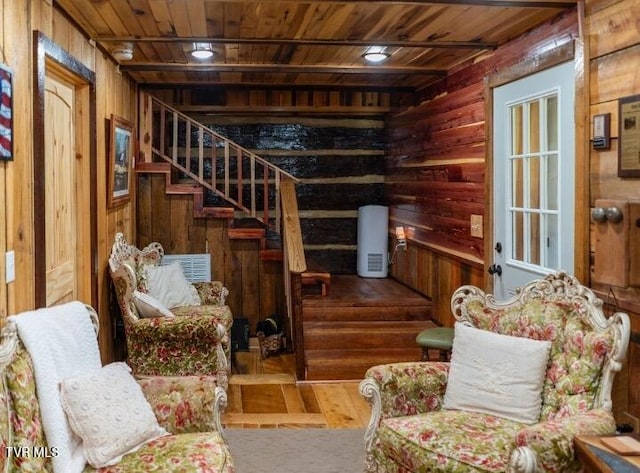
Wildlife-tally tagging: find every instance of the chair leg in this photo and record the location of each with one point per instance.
(425, 354)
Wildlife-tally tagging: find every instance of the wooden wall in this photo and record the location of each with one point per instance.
(436, 177)
(333, 141)
(613, 34)
(435, 171)
(255, 285)
(115, 93)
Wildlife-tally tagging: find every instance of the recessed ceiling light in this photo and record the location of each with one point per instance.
(375, 54)
(201, 51)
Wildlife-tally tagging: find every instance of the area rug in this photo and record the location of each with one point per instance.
(297, 450)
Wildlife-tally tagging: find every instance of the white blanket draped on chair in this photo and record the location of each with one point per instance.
(62, 343)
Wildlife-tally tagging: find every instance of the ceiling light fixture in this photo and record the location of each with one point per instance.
(123, 52)
(375, 54)
(201, 51)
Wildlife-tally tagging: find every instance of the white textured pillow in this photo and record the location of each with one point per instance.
(149, 307)
(496, 374)
(108, 411)
(169, 286)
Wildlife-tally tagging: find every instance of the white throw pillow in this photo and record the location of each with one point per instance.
(496, 374)
(108, 411)
(170, 287)
(149, 307)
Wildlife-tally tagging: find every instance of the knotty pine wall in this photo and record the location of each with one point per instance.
(115, 93)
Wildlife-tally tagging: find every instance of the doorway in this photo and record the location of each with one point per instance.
(534, 178)
(65, 232)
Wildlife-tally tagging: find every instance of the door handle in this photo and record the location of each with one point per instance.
(495, 269)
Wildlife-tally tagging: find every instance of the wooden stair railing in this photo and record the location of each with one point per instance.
(294, 264)
(239, 176)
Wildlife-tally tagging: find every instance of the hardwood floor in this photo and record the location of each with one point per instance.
(265, 394)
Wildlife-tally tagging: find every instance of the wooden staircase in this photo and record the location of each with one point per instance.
(359, 324)
(338, 333)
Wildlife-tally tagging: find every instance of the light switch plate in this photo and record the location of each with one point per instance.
(10, 266)
(476, 226)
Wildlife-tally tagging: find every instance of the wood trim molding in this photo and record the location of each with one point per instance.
(45, 51)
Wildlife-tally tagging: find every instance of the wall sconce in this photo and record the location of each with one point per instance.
(402, 239)
(201, 51)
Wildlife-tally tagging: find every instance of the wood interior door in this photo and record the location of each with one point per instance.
(60, 190)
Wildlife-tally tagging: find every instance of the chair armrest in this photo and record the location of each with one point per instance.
(212, 292)
(174, 329)
(548, 445)
(409, 388)
(185, 403)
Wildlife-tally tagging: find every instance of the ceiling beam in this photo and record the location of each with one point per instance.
(279, 68)
(483, 3)
(302, 42)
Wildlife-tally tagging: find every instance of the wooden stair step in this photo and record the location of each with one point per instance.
(183, 189)
(362, 335)
(246, 233)
(153, 167)
(353, 363)
(317, 278)
(371, 313)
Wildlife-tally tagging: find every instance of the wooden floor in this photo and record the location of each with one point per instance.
(266, 395)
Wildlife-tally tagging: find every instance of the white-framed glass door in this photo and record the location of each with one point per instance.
(534, 184)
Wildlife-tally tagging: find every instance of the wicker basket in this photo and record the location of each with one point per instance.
(271, 345)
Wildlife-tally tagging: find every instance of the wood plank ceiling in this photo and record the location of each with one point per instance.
(315, 43)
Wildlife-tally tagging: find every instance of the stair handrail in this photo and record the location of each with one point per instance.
(292, 233)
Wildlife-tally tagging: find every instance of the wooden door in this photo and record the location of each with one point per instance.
(60, 184)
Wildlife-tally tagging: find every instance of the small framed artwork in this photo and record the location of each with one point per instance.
(120, 159)
(6, 114)
(629, 136)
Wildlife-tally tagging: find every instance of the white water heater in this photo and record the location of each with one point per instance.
(373, 239)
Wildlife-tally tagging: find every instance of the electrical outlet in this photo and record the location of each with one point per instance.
(476, 226)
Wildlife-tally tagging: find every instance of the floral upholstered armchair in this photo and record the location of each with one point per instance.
(187, 409)
(189, 336)
(526, 375)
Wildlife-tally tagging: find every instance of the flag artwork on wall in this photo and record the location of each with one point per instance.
(6, 118)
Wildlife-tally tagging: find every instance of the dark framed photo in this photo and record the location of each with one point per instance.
(629, 136)
(6, 114)
(120, 157)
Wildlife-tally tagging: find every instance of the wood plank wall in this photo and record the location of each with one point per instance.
(255, 286)
(613, 34)
(435, 171)
(337, 154)
(115, 93)
(436, 152)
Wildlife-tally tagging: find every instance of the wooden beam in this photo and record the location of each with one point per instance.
(301, 42)
(283, 68)
(484, 3)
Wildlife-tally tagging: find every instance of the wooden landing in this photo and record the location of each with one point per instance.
(360, 323)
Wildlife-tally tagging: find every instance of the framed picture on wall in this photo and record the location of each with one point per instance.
(120, 160)
(629, 136)
(6, 114)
